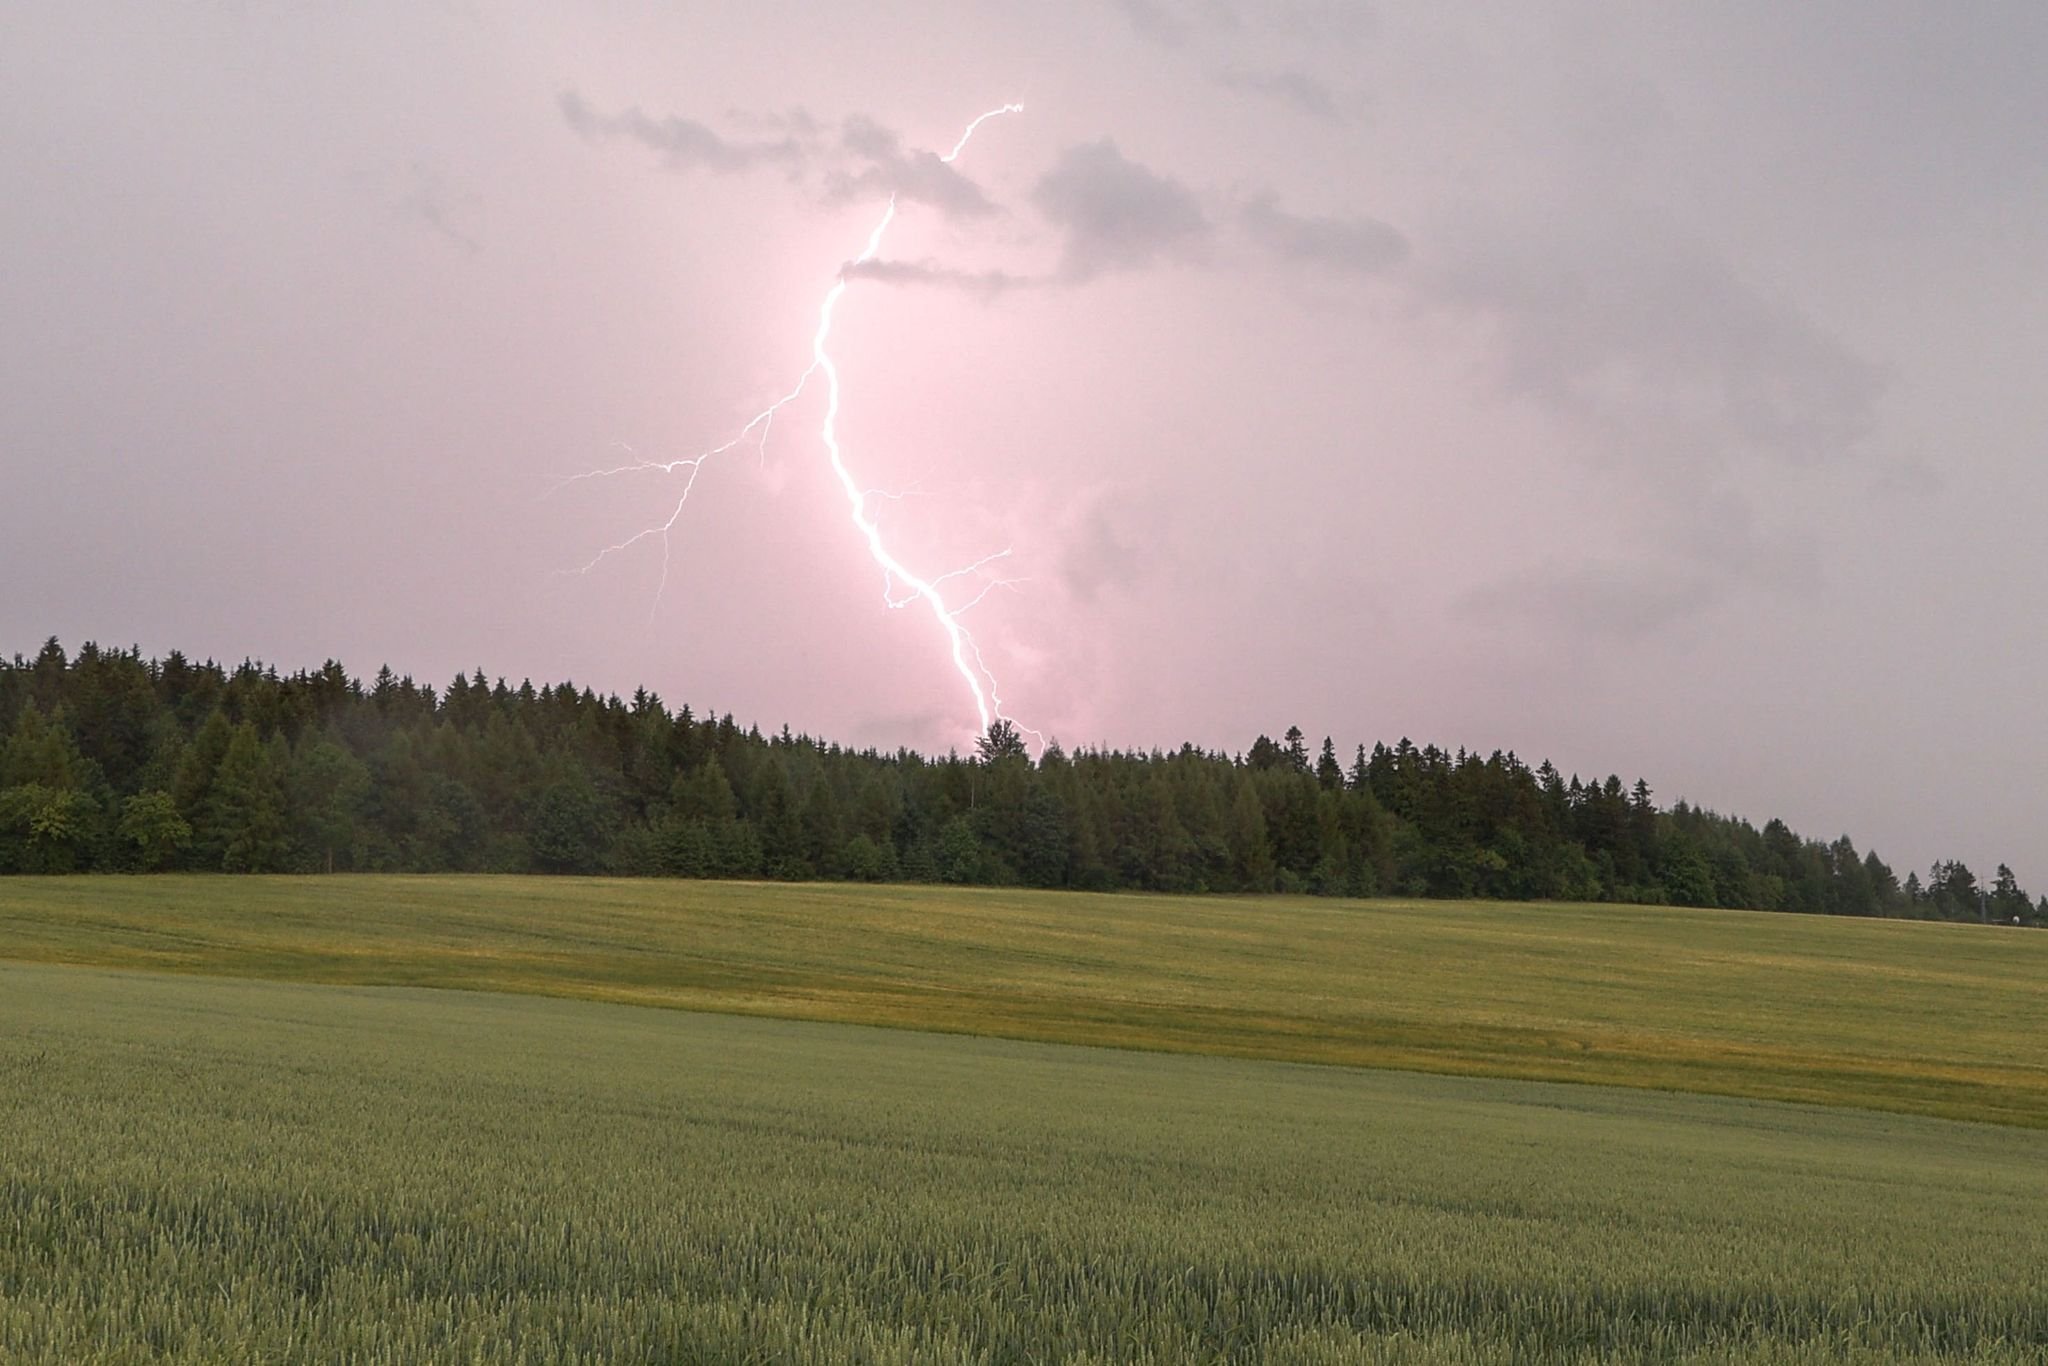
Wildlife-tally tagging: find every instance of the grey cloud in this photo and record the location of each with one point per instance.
(430, 202)
(1909, 478)
(1365, 245)
(1718, 529)
(1099, 556)
(870, 139)
(1672, 372)
(1709, 546)
(880, 165)
(1179, 24)
(1324, 23)
(1115, 213)
(1156, 22)
(987, 283)
(1297, 88)
(1614, 600)
(684, 143)
(916, 176)
(1659, 341)
(796, 121)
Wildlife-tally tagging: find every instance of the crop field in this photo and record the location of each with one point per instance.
(254, 1171)
(1910, 1017)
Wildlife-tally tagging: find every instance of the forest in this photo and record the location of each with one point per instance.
(110, 762)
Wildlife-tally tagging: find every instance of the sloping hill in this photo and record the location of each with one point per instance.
(214, 1170)
(1934, 1019)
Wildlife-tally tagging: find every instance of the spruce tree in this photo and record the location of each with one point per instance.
(247, 805)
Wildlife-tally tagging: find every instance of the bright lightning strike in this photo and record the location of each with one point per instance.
(914, 589)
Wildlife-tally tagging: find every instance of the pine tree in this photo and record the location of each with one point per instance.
(192, 789)
(247, 805)
(1251, 854)
(1328, 771)
(1000, 742)
(566, 826)
(824, 829)
(329, 790)
(41, 752)
(2008, 903)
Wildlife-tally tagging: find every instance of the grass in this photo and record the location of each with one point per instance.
(1917, 1018)
(219, 1170)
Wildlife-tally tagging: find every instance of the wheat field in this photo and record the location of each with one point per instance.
(215, 1170)
(1895, 1015)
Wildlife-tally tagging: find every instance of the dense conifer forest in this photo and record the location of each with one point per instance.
(113, 762)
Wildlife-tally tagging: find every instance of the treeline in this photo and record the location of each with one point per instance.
(110, 762)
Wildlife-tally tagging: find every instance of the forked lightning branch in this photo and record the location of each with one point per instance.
(902, 586)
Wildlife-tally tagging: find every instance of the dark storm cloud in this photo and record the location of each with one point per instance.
(870, 160)
(1156, 22)
(1178, 25)
(1675, 375)
(1324, 24)
(1111, 215)
(430, 202)
(987, 283)
(1100, 554)
(683, 143)
(1366, 245)
(796, 122)
(1649, 333)
(914, 176)
(1707, 548)
(1115, 214)
(1615, 600)
(1297, 89)
(1714, 552)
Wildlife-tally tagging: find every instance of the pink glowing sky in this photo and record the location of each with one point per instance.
(1655, 393)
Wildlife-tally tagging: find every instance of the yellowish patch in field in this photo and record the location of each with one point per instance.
(1922, 1018)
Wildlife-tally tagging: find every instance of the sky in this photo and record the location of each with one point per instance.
(1650, 388)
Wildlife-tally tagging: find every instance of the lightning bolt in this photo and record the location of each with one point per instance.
(901, 586)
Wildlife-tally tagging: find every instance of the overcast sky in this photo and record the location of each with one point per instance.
(1653, 388)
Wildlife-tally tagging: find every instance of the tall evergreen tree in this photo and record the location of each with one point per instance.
(1328, 771)
(246, 804)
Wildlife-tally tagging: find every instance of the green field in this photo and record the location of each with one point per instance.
(1948, 1020)
(341, 1164)
(251, 1171)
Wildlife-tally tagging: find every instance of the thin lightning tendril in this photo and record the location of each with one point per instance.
(951, 574)
(964, 650)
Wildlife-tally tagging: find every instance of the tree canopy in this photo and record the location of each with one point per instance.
(109, 761)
